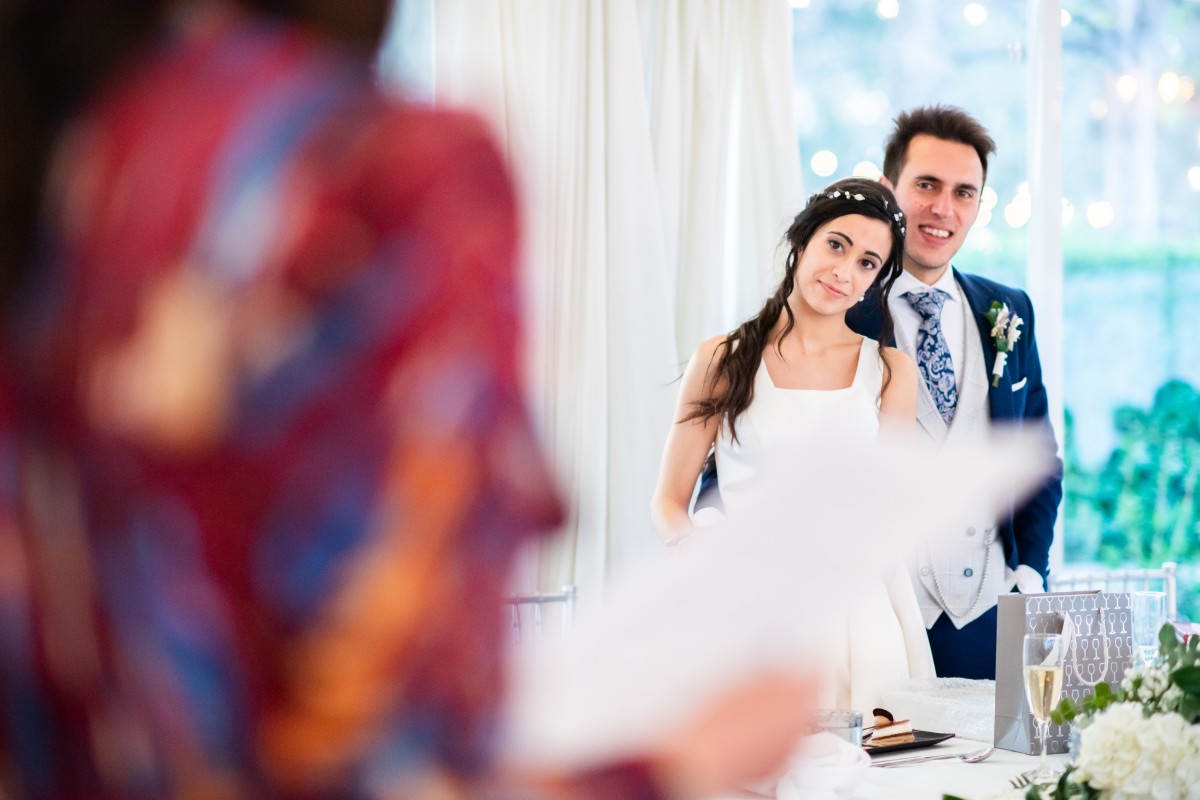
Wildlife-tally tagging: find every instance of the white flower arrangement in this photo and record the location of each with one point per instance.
(1140, 741)
(1125, 754)
(1006, 330)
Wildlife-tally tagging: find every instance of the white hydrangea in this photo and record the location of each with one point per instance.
(1170, 699)
(1130, 756)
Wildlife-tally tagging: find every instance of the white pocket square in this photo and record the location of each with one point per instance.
(1019, 384)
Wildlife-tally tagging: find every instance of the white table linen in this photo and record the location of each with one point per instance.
(931, 779)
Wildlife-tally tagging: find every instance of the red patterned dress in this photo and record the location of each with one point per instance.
(266, 460)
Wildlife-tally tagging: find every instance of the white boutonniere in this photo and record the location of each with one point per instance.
(1006, 330)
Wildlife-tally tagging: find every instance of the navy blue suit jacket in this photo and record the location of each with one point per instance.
(1028, 529)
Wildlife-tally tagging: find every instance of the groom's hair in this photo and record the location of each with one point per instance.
(941, 122)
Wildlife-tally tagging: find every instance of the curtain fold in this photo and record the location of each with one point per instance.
(646, 163)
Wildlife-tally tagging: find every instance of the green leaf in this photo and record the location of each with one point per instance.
(1189, 708)
(1066, 712)
(1187, 679)
(1167, 641)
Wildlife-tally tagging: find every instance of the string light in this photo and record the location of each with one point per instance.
(888, 9)
(1100, 214)
(867, 169)
(975, 13)
(823, 163)
(1127, 87)
(1020, 208)
(1168, 87)
(988, 198)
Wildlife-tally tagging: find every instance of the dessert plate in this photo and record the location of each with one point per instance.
(920, 739)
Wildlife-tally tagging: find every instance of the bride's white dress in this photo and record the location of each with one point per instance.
(885, 640)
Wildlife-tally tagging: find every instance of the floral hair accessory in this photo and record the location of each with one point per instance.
(1006, 330)
(836, 193)
(839, 193)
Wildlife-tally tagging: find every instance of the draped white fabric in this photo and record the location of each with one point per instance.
(654, 147)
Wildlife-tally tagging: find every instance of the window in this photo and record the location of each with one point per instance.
(1130, 216)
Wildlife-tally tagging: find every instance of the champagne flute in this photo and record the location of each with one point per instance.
(1044, 656)
(1149, 611)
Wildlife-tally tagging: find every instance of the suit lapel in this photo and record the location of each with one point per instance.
(973, 393)
(866, 319)
(980, 300)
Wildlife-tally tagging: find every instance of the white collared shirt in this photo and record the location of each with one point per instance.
(907, 320)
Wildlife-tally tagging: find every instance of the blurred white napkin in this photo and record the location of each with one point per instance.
(826, 768)
(769, 591)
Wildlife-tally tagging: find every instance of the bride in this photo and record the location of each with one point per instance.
(789, 376)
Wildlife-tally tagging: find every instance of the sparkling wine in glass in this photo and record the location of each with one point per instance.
(1043, 661)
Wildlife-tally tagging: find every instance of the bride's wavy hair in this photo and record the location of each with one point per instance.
(732, 384)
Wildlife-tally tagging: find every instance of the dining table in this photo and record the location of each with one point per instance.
(960, 706)
(930, 780)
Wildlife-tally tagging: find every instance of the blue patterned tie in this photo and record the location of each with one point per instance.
(933, 356)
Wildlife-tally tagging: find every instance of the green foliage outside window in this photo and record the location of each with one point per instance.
(1140, 508)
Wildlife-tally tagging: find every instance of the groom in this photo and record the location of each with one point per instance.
(936, 162)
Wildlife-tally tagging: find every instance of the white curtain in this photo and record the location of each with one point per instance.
(654, 150)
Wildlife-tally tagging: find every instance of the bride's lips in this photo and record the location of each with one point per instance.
(832, 291)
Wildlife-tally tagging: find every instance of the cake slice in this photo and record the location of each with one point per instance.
(899, 732)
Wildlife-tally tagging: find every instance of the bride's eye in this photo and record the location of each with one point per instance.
(836, 245)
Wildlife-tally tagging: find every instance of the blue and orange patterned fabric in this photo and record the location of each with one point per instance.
(265, 459)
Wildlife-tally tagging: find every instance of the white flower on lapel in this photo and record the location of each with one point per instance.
(1006, 330)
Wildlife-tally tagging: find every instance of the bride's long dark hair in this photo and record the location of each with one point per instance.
(732, 385)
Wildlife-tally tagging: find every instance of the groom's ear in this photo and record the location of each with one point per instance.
(884, 180)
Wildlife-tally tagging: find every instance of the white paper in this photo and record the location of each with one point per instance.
(751, 593)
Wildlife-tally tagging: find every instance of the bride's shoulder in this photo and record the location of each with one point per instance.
(898, 361)
(711, 347)
(703, 366)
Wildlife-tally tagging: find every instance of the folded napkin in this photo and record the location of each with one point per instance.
(825, 768)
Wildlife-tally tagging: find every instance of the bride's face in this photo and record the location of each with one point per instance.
(840, 262)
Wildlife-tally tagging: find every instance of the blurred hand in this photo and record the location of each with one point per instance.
(743, 736)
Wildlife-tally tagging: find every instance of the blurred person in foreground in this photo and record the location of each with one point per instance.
(265, 463)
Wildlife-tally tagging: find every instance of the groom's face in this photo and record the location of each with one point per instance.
(938, 189)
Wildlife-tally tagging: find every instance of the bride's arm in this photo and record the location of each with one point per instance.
(898, 406)
(686, 449)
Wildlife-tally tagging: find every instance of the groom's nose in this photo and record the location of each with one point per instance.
(940, 204)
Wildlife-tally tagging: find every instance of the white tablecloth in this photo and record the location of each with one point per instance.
(929, 781)
(932, 779)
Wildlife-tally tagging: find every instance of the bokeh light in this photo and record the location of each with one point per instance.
(823, 163)
(975, 13)
(1100, 214)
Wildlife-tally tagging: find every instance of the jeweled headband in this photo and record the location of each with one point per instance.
(898, 216)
